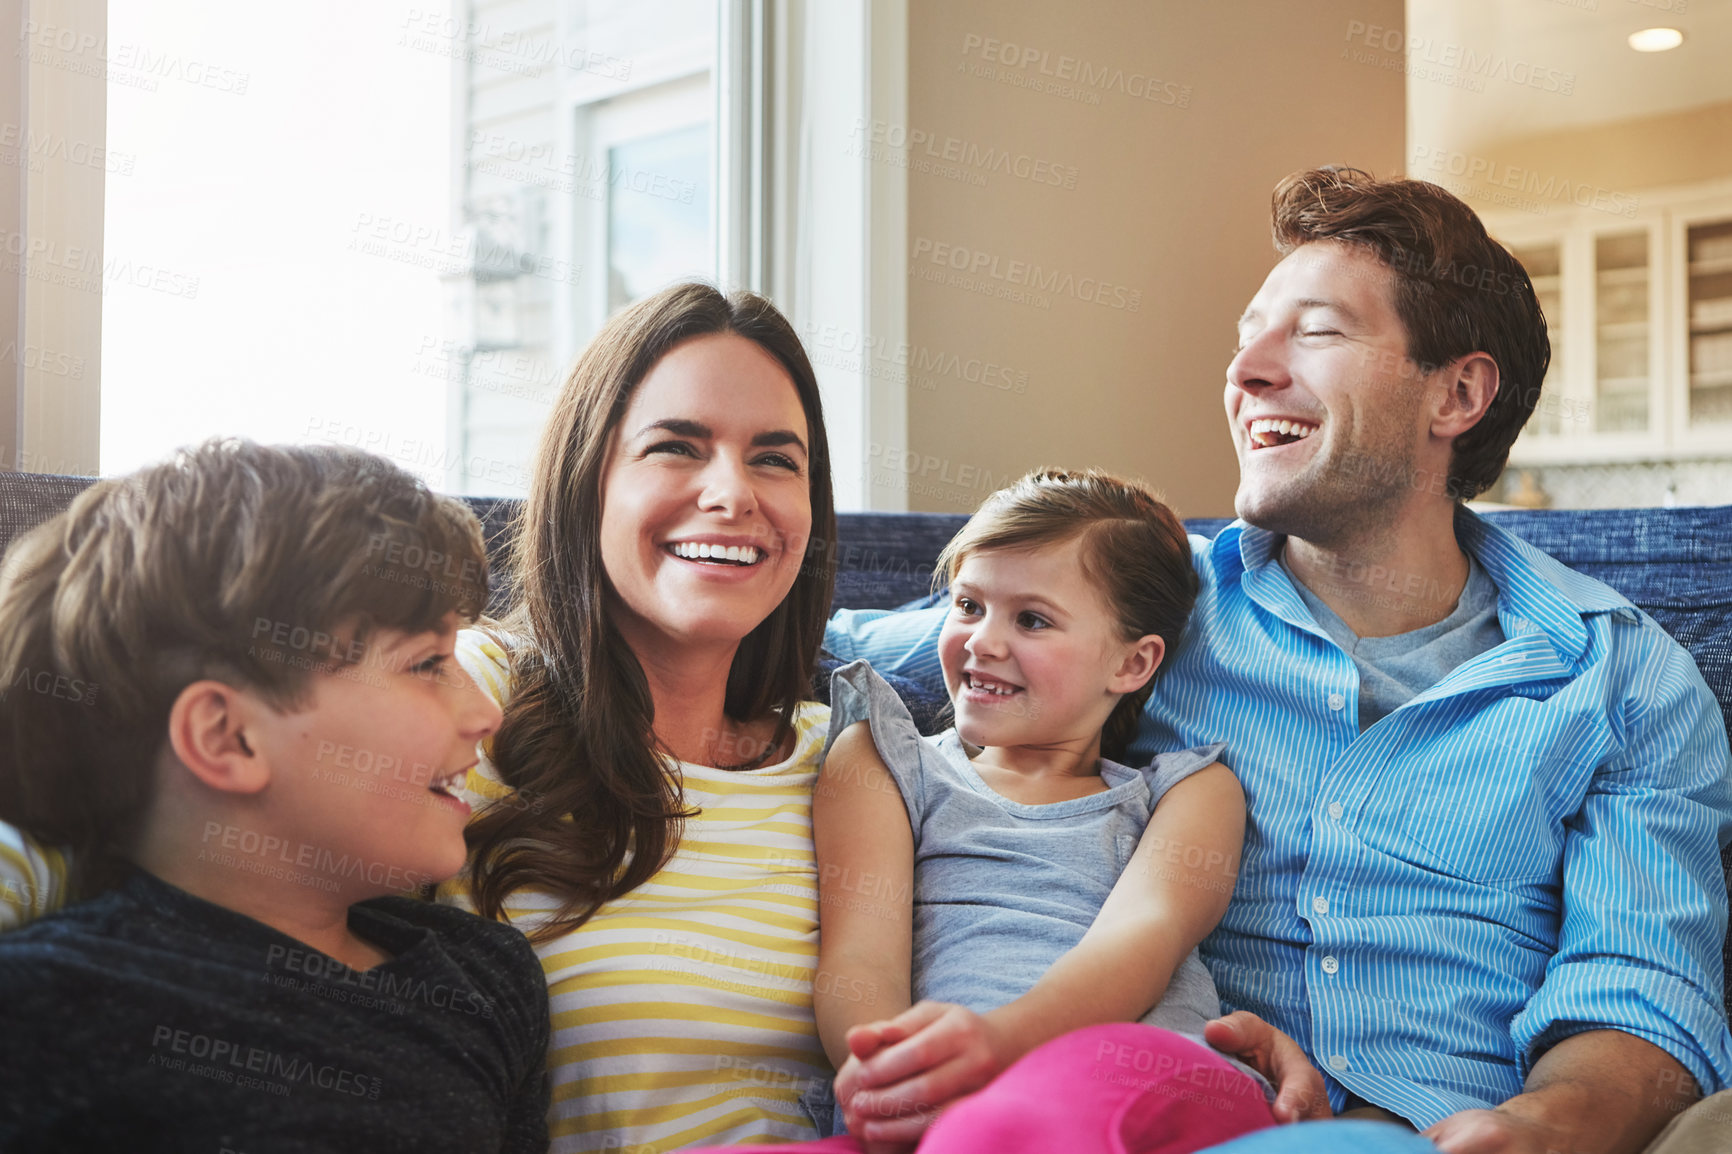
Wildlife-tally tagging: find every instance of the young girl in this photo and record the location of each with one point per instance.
(961, 869)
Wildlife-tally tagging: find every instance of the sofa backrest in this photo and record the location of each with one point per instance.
(1676, 564)
(28, 499)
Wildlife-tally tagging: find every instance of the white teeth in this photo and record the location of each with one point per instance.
(999, 690)
(1282, 428)
(450, 781)
(697, 551)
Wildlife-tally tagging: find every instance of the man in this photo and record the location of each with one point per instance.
(1481, 884)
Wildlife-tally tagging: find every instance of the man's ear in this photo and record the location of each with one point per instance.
(207, 729)
(1140, 663)
(1469, 387)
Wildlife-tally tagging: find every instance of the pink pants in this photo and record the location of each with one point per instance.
(1121, 1088)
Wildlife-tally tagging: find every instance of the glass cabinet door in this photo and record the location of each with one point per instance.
(1621, 369)
(1709, 281)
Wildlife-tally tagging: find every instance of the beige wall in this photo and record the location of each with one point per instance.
(1169, 209)
(1647, 152)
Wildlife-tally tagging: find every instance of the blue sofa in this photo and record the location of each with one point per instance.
(1676, 564)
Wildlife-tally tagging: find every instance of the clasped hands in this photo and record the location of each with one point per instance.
(902, 1071)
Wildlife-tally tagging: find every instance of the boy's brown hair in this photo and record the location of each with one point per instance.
(1130, 544)
(255, 565)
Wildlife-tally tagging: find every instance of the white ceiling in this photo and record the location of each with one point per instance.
(1573, 45)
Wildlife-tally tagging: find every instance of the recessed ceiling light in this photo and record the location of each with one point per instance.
(1656, 39)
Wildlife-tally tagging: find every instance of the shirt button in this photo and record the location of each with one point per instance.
(1336, 809)
(1337, 701)
(1321, 905)
(1330, 965)
(1337, 1062)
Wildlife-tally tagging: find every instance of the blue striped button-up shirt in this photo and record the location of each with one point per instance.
(1526, 850)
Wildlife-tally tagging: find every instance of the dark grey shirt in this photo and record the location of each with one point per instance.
(1395, 670)
(150, 1020)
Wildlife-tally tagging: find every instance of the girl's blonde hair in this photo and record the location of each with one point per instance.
(1129, 543)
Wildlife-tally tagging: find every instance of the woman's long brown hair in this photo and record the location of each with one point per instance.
(577, 740)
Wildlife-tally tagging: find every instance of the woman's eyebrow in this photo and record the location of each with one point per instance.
(684, 427)
(680, 427)
(777, 438)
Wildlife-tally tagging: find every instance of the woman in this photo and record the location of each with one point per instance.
(650, 786)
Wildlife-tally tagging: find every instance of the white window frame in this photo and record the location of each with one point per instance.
(50, 423)
(835, 252)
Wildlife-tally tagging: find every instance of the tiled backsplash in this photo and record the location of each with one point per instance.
(1630, 484)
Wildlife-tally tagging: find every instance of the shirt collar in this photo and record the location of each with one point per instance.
(1536, 592)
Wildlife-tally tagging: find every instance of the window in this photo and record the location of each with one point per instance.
(293, 218)
(395, 227)
(397, 237)
(586, 188)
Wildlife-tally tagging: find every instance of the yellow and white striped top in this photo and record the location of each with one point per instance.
(32, 879)
(682, 1011)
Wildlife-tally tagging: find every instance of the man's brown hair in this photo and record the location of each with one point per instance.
(1457, 291)
(255, 565)
(1132, 547)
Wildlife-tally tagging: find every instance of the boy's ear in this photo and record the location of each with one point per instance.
(207, 729)
(1140, 663)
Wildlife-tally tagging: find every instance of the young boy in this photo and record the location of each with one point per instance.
(228, 701)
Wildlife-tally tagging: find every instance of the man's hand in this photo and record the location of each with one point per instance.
(1299, 1092)
(901, 1072)
(1495, 1132)
(1597, 1092)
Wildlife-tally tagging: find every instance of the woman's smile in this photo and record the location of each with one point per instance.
(718, 552)
(707, 497)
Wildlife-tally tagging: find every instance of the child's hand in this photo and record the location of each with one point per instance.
(915, 1064)
(868, 1038)
(848, 1079)
(864, 1041)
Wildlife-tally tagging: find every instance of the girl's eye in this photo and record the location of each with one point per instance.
(1320, 333)
(1032, 621)
(967, 607)
(677, 448)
